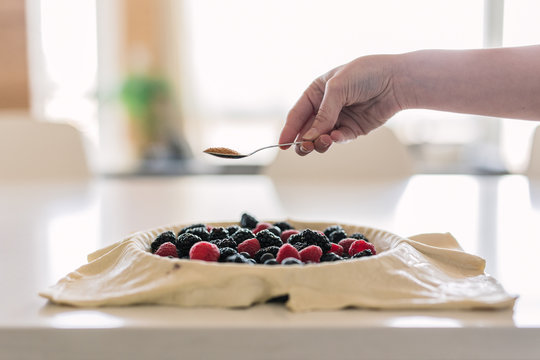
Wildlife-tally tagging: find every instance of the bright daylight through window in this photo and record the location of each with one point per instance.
(242, 64)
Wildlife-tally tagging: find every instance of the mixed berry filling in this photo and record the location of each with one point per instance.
(254, 242)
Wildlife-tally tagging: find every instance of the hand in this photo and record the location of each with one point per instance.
(344, 103)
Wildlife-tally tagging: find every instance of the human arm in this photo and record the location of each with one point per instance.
(357, 97)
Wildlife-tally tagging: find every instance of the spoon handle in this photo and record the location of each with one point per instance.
(275, 145)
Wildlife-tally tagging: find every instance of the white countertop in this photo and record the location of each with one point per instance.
(48, 229)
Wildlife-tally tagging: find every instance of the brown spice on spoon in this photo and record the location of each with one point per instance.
(221, 150)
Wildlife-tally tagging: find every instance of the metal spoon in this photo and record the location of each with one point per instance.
(227, 153)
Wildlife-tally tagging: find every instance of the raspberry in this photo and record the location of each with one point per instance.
(312, 253)
(248, 221)
(267, 238)
(167, 249)
(286, 251)
(225, 252)
(338, 235)
(336, 249)
(204, 251)
(250, 246)
(345, 244)
(241, 235)
(361, 245)
(329, 230)
(218, 233)
(261, 226)
(167, 236)
(283, 225)
(185, 242)
(362, 253)
(285, 234)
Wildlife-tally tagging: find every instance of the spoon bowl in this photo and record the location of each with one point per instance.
(227, 153)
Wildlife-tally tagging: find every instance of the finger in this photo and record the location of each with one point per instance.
(305, 148)
(323, 143)
(300, 113)
(342, 134)
(328, 111)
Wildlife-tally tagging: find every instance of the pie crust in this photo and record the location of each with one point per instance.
(428, 271)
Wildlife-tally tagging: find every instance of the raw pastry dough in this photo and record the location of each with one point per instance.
(420, 272)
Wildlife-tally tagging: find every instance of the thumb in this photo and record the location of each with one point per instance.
(327, 114)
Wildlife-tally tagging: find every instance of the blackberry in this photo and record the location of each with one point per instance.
(184, 243)
(218, 233)
(271, 262)
(300, 245)
(275, 230)
(227, 243)
(232, 229)
(242, 235)
(358, 236)
(291, 261)
(331, 229)
(267, 250)
(183, 230)
(215, 242)
(167, 236)
(362, 253)
(200, 232)
(247, 221)
(267, 238)
(337, 235)
(225, 252)
(295, 238)
(283, 225)
(311, 237)
(330, 257)
(266, 256)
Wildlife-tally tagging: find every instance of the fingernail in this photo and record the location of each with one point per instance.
(325, 141)
(310, 135)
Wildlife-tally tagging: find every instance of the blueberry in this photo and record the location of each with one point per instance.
(291, 261)
(330, 257)
(266, 256)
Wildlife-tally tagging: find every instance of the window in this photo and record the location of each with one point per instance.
(247, 62)
(63, 63)
(521, 27)
(242, 65)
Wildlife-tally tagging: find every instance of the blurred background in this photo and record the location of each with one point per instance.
(152, 83)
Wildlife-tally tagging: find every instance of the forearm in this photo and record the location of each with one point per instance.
(502, 82)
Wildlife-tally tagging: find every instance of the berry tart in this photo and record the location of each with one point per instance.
(309, 265)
